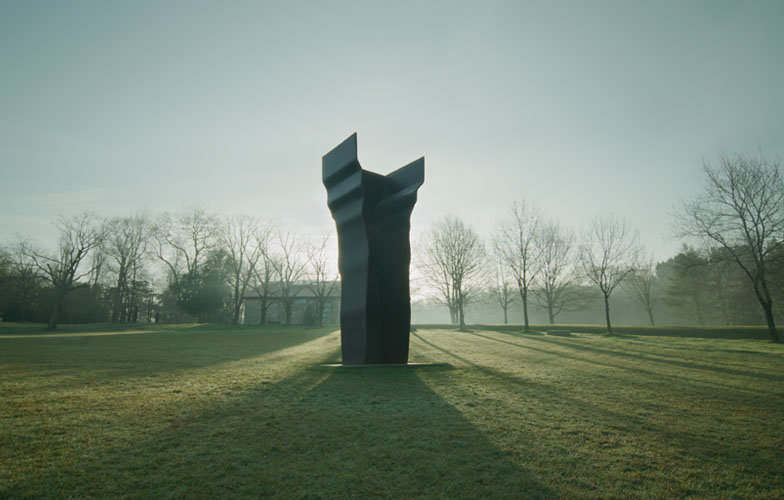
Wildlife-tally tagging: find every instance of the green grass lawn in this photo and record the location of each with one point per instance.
(207, 411)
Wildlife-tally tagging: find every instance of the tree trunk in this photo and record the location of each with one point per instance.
(117, 304)
(763, 296)
(263, 315)
(506, 316)
(461, 314)
(59, 297)
(320, 319)
(650, 317)
(607, 313)
(774, 334)
(133, 309)
(117, 309)
(235, 314)
(524, 296)
(550, 314)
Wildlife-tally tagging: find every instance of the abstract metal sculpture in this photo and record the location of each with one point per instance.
(373, 217)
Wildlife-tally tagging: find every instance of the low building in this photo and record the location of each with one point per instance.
(304, 304)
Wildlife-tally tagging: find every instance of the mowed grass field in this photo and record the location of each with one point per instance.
(206, 411)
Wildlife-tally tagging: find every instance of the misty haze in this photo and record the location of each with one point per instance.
(596, 274)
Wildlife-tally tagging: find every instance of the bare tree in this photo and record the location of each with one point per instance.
(608, 255)
(97, 265)
(514, 243)
(183, 240)
(643, 287)
(126, 245)
(25, 276)
(558, 278)
(452, 263)
(79, 235)
(265, 270)
(5, 279)
(5, 264)
(323, 275)
(741, 207)
(289, 268)
(239, 241)
(502, 291)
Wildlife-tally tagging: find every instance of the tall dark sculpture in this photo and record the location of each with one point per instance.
(373, 217)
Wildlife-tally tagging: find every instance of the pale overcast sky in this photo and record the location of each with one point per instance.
(583, 107)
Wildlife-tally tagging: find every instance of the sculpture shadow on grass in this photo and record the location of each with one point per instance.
(322, 433)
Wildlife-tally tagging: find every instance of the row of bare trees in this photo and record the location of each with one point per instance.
(738, 218)
(197, 264)
(209, 263)
(530, 256)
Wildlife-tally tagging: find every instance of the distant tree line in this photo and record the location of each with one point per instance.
(196, 266)
(731, 271)
(174, 267)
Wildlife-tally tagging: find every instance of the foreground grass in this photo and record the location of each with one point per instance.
(211, 412)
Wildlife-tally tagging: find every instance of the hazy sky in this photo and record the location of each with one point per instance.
(582, 107)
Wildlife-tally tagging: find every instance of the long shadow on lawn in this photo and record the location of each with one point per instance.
(544, 388)
(102, 359)
(643, 357)
(695, 441)
(717, 333)
(375, 432)
(636, 369)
